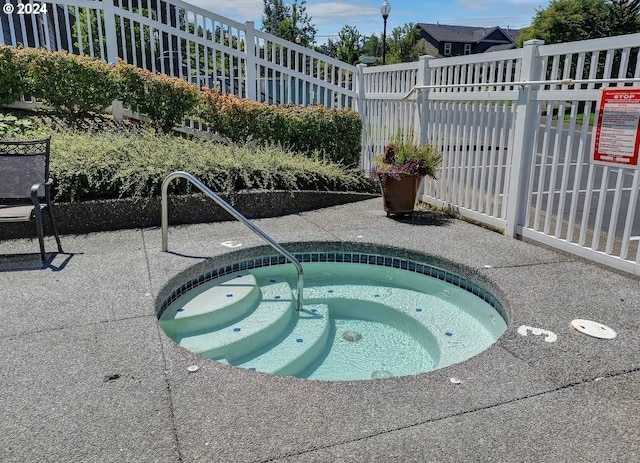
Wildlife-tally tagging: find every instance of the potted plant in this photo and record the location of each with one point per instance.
(400, 169)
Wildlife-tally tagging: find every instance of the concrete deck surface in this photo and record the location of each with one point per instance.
(86, 374)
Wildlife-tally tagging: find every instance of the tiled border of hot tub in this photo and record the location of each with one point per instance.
(341, 257)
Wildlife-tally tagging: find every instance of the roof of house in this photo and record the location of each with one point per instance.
(513, 33)
(467, 34)
(501, 46)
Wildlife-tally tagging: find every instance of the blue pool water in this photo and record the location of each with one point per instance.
(358, 322)
(382, 351)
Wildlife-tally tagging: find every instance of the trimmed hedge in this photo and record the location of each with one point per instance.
(100, 165)
(77, 84)
(166, 100)
(72, 83)
(304, 129)
(13, 76)
(80, 84)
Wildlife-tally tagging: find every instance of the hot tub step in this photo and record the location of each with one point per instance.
(267, 322)
(293, 354)
(212, 305)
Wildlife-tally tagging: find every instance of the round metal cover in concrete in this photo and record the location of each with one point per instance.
(594, 329)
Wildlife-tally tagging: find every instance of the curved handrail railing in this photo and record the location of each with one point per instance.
(227, 207)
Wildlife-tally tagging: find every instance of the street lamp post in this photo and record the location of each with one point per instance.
(385, 9)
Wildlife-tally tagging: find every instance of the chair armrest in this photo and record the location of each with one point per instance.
(36, 186)
(34, 192)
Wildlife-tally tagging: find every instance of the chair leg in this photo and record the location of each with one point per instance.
(54, 226)
(38, 216)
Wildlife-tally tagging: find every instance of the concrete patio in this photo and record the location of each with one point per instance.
(86, 374)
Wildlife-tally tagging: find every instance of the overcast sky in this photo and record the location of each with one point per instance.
(330, 15)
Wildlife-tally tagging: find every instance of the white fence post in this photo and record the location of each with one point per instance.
(422, 108)
(422, 101)
(251, 77)
(110, 31)
(526, 125)
(360, 92)
(361, 98)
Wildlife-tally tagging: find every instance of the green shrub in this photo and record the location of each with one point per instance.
(81, 84)
(166, 100)
(13, 76)
(72, 83)
(336, 133)
(132, 86)
(90, 165)
(10, 124)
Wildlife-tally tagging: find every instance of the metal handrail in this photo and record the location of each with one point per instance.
(227, 207)
(524, 83)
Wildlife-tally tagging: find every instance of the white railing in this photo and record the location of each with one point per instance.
(176, 38)
(509, 160)
(164, 220)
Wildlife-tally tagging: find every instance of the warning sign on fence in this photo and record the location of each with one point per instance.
(616, 140)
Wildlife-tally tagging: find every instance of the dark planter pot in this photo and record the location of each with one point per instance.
(399, 192)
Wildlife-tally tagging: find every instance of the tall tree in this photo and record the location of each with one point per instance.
(289, 22)
(348, 45)
(570, 20)
(372, 46)
(624, 16)
(403, 46)
(275, 11)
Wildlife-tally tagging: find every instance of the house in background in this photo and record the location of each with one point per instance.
(442, 40)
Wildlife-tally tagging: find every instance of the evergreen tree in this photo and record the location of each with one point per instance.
(275, 11)
(624, 17)
(329, 48)
(289, 22)
(348, 45)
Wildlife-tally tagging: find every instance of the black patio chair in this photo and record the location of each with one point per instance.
(24, 180)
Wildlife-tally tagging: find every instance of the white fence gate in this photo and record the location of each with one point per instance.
(515, 131)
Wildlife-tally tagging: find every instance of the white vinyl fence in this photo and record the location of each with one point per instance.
(515, 131)
(179, 39)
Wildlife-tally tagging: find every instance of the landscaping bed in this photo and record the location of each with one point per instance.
(108, 175)
(115, 214)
